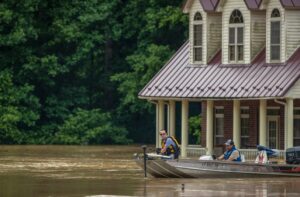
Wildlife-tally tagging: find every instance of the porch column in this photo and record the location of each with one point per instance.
(263, 122)
(237, 123)
(172, 112)
(209, 127)
(290, 123)
(184, 127)
(161, 119)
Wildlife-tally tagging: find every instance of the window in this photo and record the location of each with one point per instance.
(297, 127)
(275, 35)
(219, 125)
(236, 37)
(245, 127)
(197, 50)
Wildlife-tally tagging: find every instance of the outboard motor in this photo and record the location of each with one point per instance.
(293, 155)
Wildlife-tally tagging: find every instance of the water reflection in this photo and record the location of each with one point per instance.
(110, 170)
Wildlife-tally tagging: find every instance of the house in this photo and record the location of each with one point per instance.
(242, 62)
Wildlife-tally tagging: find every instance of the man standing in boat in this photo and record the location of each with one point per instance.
(169, 145)
(231, 154)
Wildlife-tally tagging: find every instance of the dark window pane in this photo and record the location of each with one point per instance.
(240, 35)
(197, 17)
(236, 17)
(240, 53)
(231, 53)
(275, 13)
(275, 52)
(231, 35)
(197, 35)
(244, 142)
(275, 32)
(198, 54)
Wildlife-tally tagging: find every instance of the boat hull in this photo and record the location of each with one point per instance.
(187, 168)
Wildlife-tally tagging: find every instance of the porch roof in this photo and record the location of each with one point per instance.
(179, 79)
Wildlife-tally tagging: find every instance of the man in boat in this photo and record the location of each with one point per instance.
(231, 154)
(169, 145)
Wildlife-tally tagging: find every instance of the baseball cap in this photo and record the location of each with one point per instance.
(229, 142)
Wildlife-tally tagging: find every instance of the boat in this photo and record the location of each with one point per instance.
(163, 167)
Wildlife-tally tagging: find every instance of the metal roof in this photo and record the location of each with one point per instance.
(253, 4)
(290, 4)
(209, 5)
(179, 79)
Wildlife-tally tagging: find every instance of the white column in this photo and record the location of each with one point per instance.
(171, 115)
(290, 123)
(263, 122)
(184, 127)
(237, 123)
(161, 118)
(209, 127)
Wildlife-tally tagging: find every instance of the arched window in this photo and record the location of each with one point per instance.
(197, 44)
(275, 35)
(236, 37)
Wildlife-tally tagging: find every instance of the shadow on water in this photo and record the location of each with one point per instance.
(110, 170)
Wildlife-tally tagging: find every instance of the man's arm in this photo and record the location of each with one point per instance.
(221, 157)
(168, 143)
(234, 155)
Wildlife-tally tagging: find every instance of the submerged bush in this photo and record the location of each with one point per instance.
(91, 127)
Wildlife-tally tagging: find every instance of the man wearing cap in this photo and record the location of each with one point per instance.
(231, 154)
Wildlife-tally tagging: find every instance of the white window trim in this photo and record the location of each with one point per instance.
(218, 115)
(275, 19)
(244, 116)
(198, 22)
(236, 26)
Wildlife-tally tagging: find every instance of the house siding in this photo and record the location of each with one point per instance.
(214, 35)
(271, 6)
(258, 32)
(294, 92)
(196, 7)
(226, 12)
(292, 31)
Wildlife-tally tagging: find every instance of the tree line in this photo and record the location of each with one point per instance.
(71, 70)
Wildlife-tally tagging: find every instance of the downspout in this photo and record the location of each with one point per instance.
(285, 120)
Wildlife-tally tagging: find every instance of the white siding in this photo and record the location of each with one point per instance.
(292, 31)
(271, 6)
(214, 35)
(196, 7)
(258, 32)
(294, 92)
(229, 6)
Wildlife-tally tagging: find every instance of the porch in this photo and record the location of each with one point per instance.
(270, 123)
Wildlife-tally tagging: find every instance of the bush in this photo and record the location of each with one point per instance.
(195, 127)
(91, 127)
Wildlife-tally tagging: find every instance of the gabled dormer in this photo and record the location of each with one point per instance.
(205, 30)
(283, 27)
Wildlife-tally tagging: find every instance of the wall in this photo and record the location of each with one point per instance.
(258, 32)
(292, 18)
(214, 35)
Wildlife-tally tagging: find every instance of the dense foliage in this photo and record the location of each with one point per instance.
(71, 70)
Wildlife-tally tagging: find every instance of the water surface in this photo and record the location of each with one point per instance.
(110, 170)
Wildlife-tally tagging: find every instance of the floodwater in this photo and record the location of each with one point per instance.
(110, 171)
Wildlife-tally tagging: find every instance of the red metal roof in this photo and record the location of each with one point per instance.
(179, 79)
(290, 4)
(253, 4)
(209, 5)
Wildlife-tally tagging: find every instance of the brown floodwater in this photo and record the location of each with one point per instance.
(110, 171)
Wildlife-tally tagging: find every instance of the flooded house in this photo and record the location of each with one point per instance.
(242, 63)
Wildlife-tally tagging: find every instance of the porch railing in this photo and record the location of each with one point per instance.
(250, 154)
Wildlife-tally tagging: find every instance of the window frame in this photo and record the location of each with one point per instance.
(197, 23)
(236, 45)
(275, 20)
(245, 116)
(296, 116)
(221, 116)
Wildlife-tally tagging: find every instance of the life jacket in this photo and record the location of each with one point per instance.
(171, 149)
(228, 153)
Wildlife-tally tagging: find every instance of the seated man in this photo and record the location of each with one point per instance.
(169, 145)
(231, 154)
